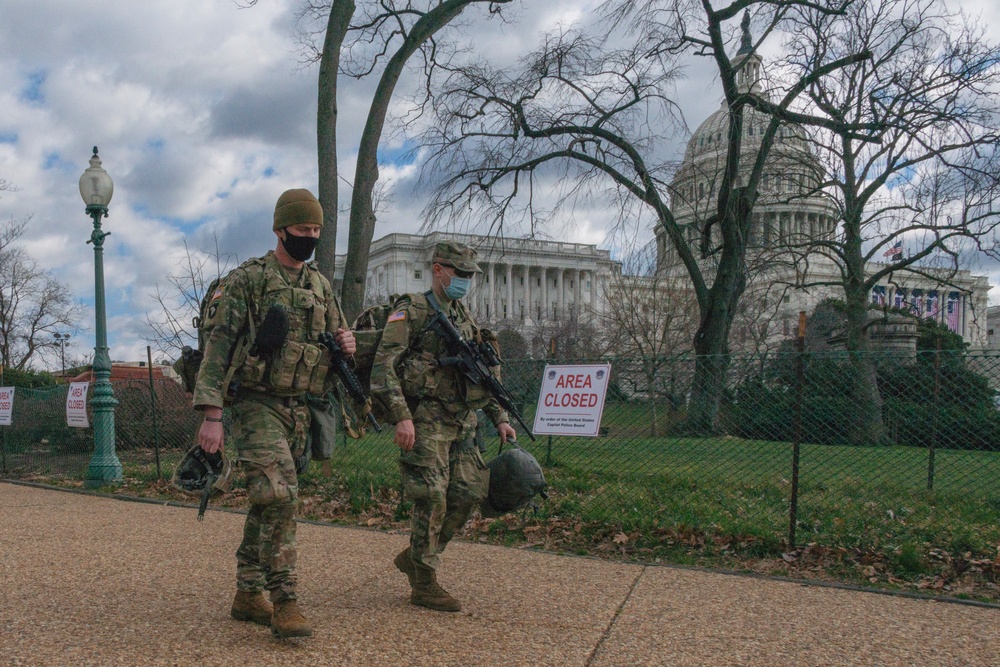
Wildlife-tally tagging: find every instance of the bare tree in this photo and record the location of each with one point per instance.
(382, 36)
(651, 317)
(928, 180)
(592, 118)
(409, 29)
(180, 299)
(33, 304)
(651, 326)
(336, 16)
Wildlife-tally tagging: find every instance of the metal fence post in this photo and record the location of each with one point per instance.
(793, 505)
(934, 417)
(152, 400)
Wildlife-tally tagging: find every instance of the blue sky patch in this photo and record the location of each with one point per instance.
(156, 144)
(8, 137)
(399, 156)
(54, 160)
(32, 90)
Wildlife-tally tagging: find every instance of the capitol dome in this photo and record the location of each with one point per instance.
(790, 210)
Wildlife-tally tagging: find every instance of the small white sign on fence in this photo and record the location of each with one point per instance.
(76, 405)
(6, 405)
(571, 400)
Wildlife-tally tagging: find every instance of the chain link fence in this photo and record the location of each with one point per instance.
(812, 448)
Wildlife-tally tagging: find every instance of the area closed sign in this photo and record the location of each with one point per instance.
(571, 400)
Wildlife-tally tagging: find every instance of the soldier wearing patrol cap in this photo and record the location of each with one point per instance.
(434, 408)
(288, 303)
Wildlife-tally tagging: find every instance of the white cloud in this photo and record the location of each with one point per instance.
(203, 113)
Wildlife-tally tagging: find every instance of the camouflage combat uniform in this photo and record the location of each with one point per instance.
(270, 419)
(444, 474)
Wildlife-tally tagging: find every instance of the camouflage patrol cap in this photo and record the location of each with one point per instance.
(297, 207)
(457, 255)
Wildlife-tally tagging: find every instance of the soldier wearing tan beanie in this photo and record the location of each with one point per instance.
(270, 416)
(296, 207)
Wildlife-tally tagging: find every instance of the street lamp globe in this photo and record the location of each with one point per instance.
(96, 186)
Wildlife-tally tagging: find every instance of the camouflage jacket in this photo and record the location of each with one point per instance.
(406, 369)
(300, 365)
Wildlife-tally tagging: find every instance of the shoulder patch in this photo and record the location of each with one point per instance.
(398, 316)
(217, 294)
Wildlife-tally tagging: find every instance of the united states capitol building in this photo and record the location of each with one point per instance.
(531, 285)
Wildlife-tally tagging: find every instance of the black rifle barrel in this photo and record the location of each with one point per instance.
(347, 376)
(469, 360)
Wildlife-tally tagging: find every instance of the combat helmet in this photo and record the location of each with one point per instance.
(203, 475)
(515, 479)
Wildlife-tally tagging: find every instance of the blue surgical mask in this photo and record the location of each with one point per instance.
(457, 288)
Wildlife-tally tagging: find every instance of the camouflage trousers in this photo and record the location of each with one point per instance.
(268, 436)
(445, 478)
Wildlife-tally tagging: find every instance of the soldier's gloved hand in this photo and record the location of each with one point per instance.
(506, 432)
(345, 339)
(406, 435)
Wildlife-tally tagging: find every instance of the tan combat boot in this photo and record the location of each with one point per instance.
(251, 607)
(427, 593)
(288, 622)
(405, 565)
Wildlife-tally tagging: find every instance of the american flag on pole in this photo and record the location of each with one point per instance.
(917, 302)
(895, 253)
(900, 297)
(933, 306)
(952, 308)
(878, 295)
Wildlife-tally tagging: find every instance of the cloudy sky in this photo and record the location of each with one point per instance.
(204, 113)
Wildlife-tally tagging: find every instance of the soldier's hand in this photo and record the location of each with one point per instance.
(345, 338)
(210, 435)
(506, 432)
(406, 436)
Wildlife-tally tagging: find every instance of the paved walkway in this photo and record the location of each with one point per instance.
(98, 581)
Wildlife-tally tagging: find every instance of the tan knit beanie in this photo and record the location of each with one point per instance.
(297, 207)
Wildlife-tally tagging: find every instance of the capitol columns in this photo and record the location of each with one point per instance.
(526, 310)
(545, 294)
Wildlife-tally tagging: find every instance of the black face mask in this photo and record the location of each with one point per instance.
(299, 248)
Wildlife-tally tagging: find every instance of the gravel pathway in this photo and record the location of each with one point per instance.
(105, 582)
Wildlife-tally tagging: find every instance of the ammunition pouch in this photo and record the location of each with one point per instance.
(296, 367)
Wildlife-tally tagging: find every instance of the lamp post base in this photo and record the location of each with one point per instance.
(103, 471)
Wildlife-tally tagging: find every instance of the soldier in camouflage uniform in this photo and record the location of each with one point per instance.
(434, 408)
(270, 418)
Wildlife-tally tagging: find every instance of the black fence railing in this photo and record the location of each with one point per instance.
(811, 449)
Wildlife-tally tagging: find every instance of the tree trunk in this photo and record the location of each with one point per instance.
(341, 12)
(362, 226)
(866, 428)
(711, 346)
(711, 342)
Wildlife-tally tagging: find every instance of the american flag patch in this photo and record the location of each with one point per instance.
(217, 294)
(398, 316)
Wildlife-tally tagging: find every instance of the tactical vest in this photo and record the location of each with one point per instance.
(421, 374)
(300, 365)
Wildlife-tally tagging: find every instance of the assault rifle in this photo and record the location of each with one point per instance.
(347, 376)
(474, 361)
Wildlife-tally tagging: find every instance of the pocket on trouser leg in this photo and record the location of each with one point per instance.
(423, 483)
(470, 478)
(266, 483)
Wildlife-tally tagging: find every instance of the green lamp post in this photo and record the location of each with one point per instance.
(96, 189)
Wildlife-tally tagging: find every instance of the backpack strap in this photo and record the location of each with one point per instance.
(249, 334)
(432, 300)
